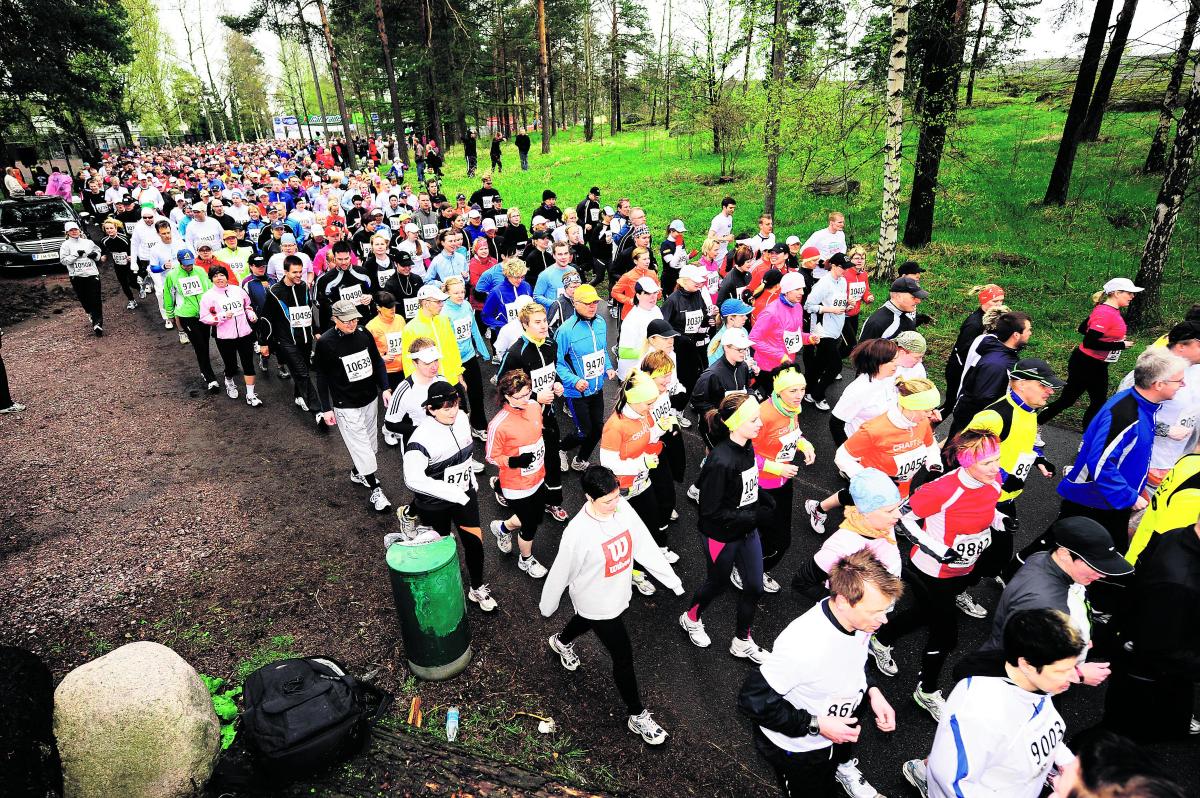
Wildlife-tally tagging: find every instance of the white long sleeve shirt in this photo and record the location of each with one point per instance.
(595, 562)
(144, 238)
(995, 739)
(863, 399)
(207, 232)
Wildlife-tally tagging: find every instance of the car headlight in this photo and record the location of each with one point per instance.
(7, 247)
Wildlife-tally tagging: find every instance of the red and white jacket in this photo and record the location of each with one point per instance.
(959, 514)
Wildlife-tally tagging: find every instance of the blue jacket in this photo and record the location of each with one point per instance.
(1114, 458)
(489, 280)
(549, 286)
(460, 316)
(579, 338)
(505, 293)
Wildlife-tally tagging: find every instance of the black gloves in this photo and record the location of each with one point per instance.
(952, 557)
(521, 460)
(1012, 483)
(1046, 464)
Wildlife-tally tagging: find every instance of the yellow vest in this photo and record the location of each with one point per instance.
(1018, 436)
(1176, 503)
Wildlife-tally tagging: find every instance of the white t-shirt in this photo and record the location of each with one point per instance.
(827, 242)
(721, 225)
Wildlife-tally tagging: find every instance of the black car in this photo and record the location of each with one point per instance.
(31, 230)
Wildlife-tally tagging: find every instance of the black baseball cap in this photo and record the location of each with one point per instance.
(911, 267)
(1032, 368)
(461, 196)
(838, 259)
(907, 285)
(1184, 331)
(779, 249)
(441, 393)
(1090, 542)
(661, 328)
(594, 190)
(404, 258)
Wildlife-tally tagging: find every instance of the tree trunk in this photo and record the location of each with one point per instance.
(543, 75)
(1108, 73)
(750, 10)
(335, 67)
(940, 74)
(432, 106)
(589, 108)
(658, 65)
(1156, 159)
(889, 218)
(393, 91)
(1064, 162)
(614, 91)
(774, 107)
(667, 86)
(1146, 311)
(975, 55)
(312, 63)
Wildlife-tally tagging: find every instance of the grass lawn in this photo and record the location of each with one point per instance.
(988, 210)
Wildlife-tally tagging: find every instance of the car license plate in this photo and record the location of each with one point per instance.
(45, 255)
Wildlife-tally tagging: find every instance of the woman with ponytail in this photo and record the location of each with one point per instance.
(731, 511)
(950, 522)
(990, 296)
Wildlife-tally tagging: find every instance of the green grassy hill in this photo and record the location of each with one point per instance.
(990, 223)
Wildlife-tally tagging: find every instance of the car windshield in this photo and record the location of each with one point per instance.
(22, 214)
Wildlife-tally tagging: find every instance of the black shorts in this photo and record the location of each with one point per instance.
(465, 516)
(529, 511)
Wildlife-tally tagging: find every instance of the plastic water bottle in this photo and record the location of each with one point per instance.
(452, 724)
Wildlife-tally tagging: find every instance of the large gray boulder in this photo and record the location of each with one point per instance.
(136, 723)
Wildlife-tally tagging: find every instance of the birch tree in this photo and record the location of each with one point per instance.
(889, 221)
(774, 106)
(1156, 159)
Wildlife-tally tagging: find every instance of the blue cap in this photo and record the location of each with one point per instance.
(186, 256)
(735, 307)
(871, 489)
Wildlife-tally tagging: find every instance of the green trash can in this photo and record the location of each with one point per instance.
(432, 607)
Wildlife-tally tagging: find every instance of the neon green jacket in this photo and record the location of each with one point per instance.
(182, 291)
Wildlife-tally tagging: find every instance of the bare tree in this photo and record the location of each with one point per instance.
(1108, 73)
(889, 218)
(335, 67)
(975, 55)
(543, 76)
(774, 107)
(1156, 159)
(393, 91)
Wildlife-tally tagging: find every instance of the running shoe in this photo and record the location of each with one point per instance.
(132, 304)
(213, 386)
(822, 404)
(748, 649)
(933, 703)
(816, 516)
(168, 325)
(253, 400)
(769, 584)
(883, 657)
(566, 653)
(359, 479)
(479, 434)
(695, 631)
(650, 731)
(408, 521)
(483, 597)
(284, 373)
(503, 539)
(97, 330)
(808, 398)
(476, 467)
(564, 462)
(183, 339)
(643, 585)
(916, 774)
(1194, 726)
(735, 576)
(231, 389)
(578, 465)
(684, 421)
(389, 437)
(969, 606)
(693, 493)
(674, 515)
(557, 513)
(853, 781)
(531, 566)
(15, 407)
(494, 482)
(1000, 583)
(379, 501)
(668, 555)
(300, 403)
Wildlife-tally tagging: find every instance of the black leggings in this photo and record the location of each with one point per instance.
(1084, 374)
(88, 291)
(777, 538)
(474, 380)
(721, 557)
(552, 489)
(615, 638)
(528, 510)
(233, 348)
(645, 504)
(933, 606)
(827, 363)
(807, 774)
(198, 334)
(127, 279)
(6, 399)
(588, 413)
(295, 357)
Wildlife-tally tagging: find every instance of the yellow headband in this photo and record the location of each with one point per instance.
(641, 389)
(925, 400)
(740, 416)
(789, 378)
(664, 371)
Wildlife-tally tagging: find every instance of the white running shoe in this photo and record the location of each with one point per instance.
(735, 576)
(695, 631)
(15, 407)
(674, 515)
(479, 434)
(483, 597)
(578, 465)
(284, 374)
(503, 539)
(883, 657)
(168, 325)
(693, 493)
(476, 466)
(748, 649)
(379, 501)
(389, 437)
(643, 585)
(916, 774)
(131, 305)
(816, 516)
(531, 566)
(838, 377)
(650, 731)
(231, 389)
(668, 555)
(359, 479)
(253, 400)
(213, 386)
(933, 703)
(970, 606)
(300, 403)
(853, 781)
(769, 584)
(183, 339)
(684, 421)
(566, 653)
(822, 404)
(564, 462)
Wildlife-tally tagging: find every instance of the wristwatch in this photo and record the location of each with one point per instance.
(814, 726)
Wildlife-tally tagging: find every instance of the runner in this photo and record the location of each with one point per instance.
(990, 296)
(407, 409)
(595, 563)
(431, 322)
(81, 257)
(898, 313)
(583, 365)
(858, 290)
(632, 337)
(731, 512)
(1001, 735)
(289, 311)
(910, 356)
(778, 333)
(404, 285)
(387, 328)
(734, 315)
(351, 379)
(438, 469)
(500, 307)
(693, 316)
(343, 281)
(182, 289)
(471, 346)
(985, 380)
(114, 249)
(958, 511)
(515, 446)
(871, 393)
(227, 308)
(806, 699)
(827, 306)
(1174, 504)
(660, 367)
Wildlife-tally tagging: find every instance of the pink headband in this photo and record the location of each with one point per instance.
(967, 458)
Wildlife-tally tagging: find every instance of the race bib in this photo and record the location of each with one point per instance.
(458, 476)
(793, 341)
(842, 706)
(538, 450)
(618, 554)
(841, 303)
(462, 328)
(594, 214)
(101, 207)
(908, 463)
(713, 282)
(351, 293)
(543, 379)
(231, 306)
(749, 487)
(641, 481)
(501, 221)
(692, 319)
(357, 366)
(385, 275)
(300, 316)
(1112, 356)
(84, 267)
(429, 231)
(395, 342)
(969, 547)
(410, 307)
(857, 291)
(1024, 465)
(788, 445)
(120, 258)
(661, 408)
(487, 203)
(1043, 739)
(593, 365)
(190, 286)
(511, 311)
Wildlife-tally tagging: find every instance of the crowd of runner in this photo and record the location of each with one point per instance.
(379, 297)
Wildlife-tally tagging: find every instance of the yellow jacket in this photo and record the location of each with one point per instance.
(1176, 503)
(441, 331)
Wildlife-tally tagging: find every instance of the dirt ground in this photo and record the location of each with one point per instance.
(139, 507)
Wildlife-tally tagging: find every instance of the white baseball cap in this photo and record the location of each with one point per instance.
(429, 354)
(694, 272)
(538, 220)
(489, 224)
(792, 240)
(431, 291)
(790, 282)
(647, 285)
(69, 226)
(735, 337)
(1121, 284)
(411, 228)
(677, 226)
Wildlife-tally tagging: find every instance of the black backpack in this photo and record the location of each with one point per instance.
(301, 715)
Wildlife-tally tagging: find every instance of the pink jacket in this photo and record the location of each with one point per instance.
(768, 333)
(59, 184)
(845, 542)
(216, 302)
